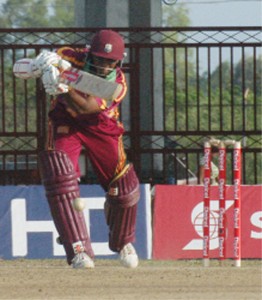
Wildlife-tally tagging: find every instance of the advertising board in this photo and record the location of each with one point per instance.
(178, 222)
(27, 229)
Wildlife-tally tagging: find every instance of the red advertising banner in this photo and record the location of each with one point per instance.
(178, 222)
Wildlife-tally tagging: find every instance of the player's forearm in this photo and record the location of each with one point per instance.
(81, 104)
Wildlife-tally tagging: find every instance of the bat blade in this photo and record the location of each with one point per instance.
(90, 84)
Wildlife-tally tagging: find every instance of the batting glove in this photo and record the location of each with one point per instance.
(47, 58)
(50, 79)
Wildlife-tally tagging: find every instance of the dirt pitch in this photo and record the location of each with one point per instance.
(53, 279)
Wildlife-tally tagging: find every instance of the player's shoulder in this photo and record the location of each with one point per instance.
(121, 79)
(77, 56)
(120, 75)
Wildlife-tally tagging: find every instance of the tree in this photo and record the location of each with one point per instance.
(37, 13)
(175, 68)
(175, 15)
(22, 14)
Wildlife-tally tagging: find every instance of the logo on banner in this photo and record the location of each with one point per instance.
(21, 226)
(197, 217)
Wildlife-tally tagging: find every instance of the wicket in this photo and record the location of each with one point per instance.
(222, 200)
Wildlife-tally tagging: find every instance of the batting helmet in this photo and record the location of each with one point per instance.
(108, 44)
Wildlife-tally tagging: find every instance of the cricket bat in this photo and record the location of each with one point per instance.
(90, 84)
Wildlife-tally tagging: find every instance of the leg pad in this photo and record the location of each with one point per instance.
(121, 208)
(60, 181)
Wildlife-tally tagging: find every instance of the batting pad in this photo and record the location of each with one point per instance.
(60, 181)
(121, 208)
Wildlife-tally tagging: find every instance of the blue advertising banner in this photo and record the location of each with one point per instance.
(27, 229)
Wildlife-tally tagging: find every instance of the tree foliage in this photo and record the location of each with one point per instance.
(175, 15)
(37, 13)
(226, 97)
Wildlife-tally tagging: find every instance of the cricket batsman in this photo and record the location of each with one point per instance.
(83, 120)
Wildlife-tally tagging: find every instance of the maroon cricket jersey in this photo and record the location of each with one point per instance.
(100, 133)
